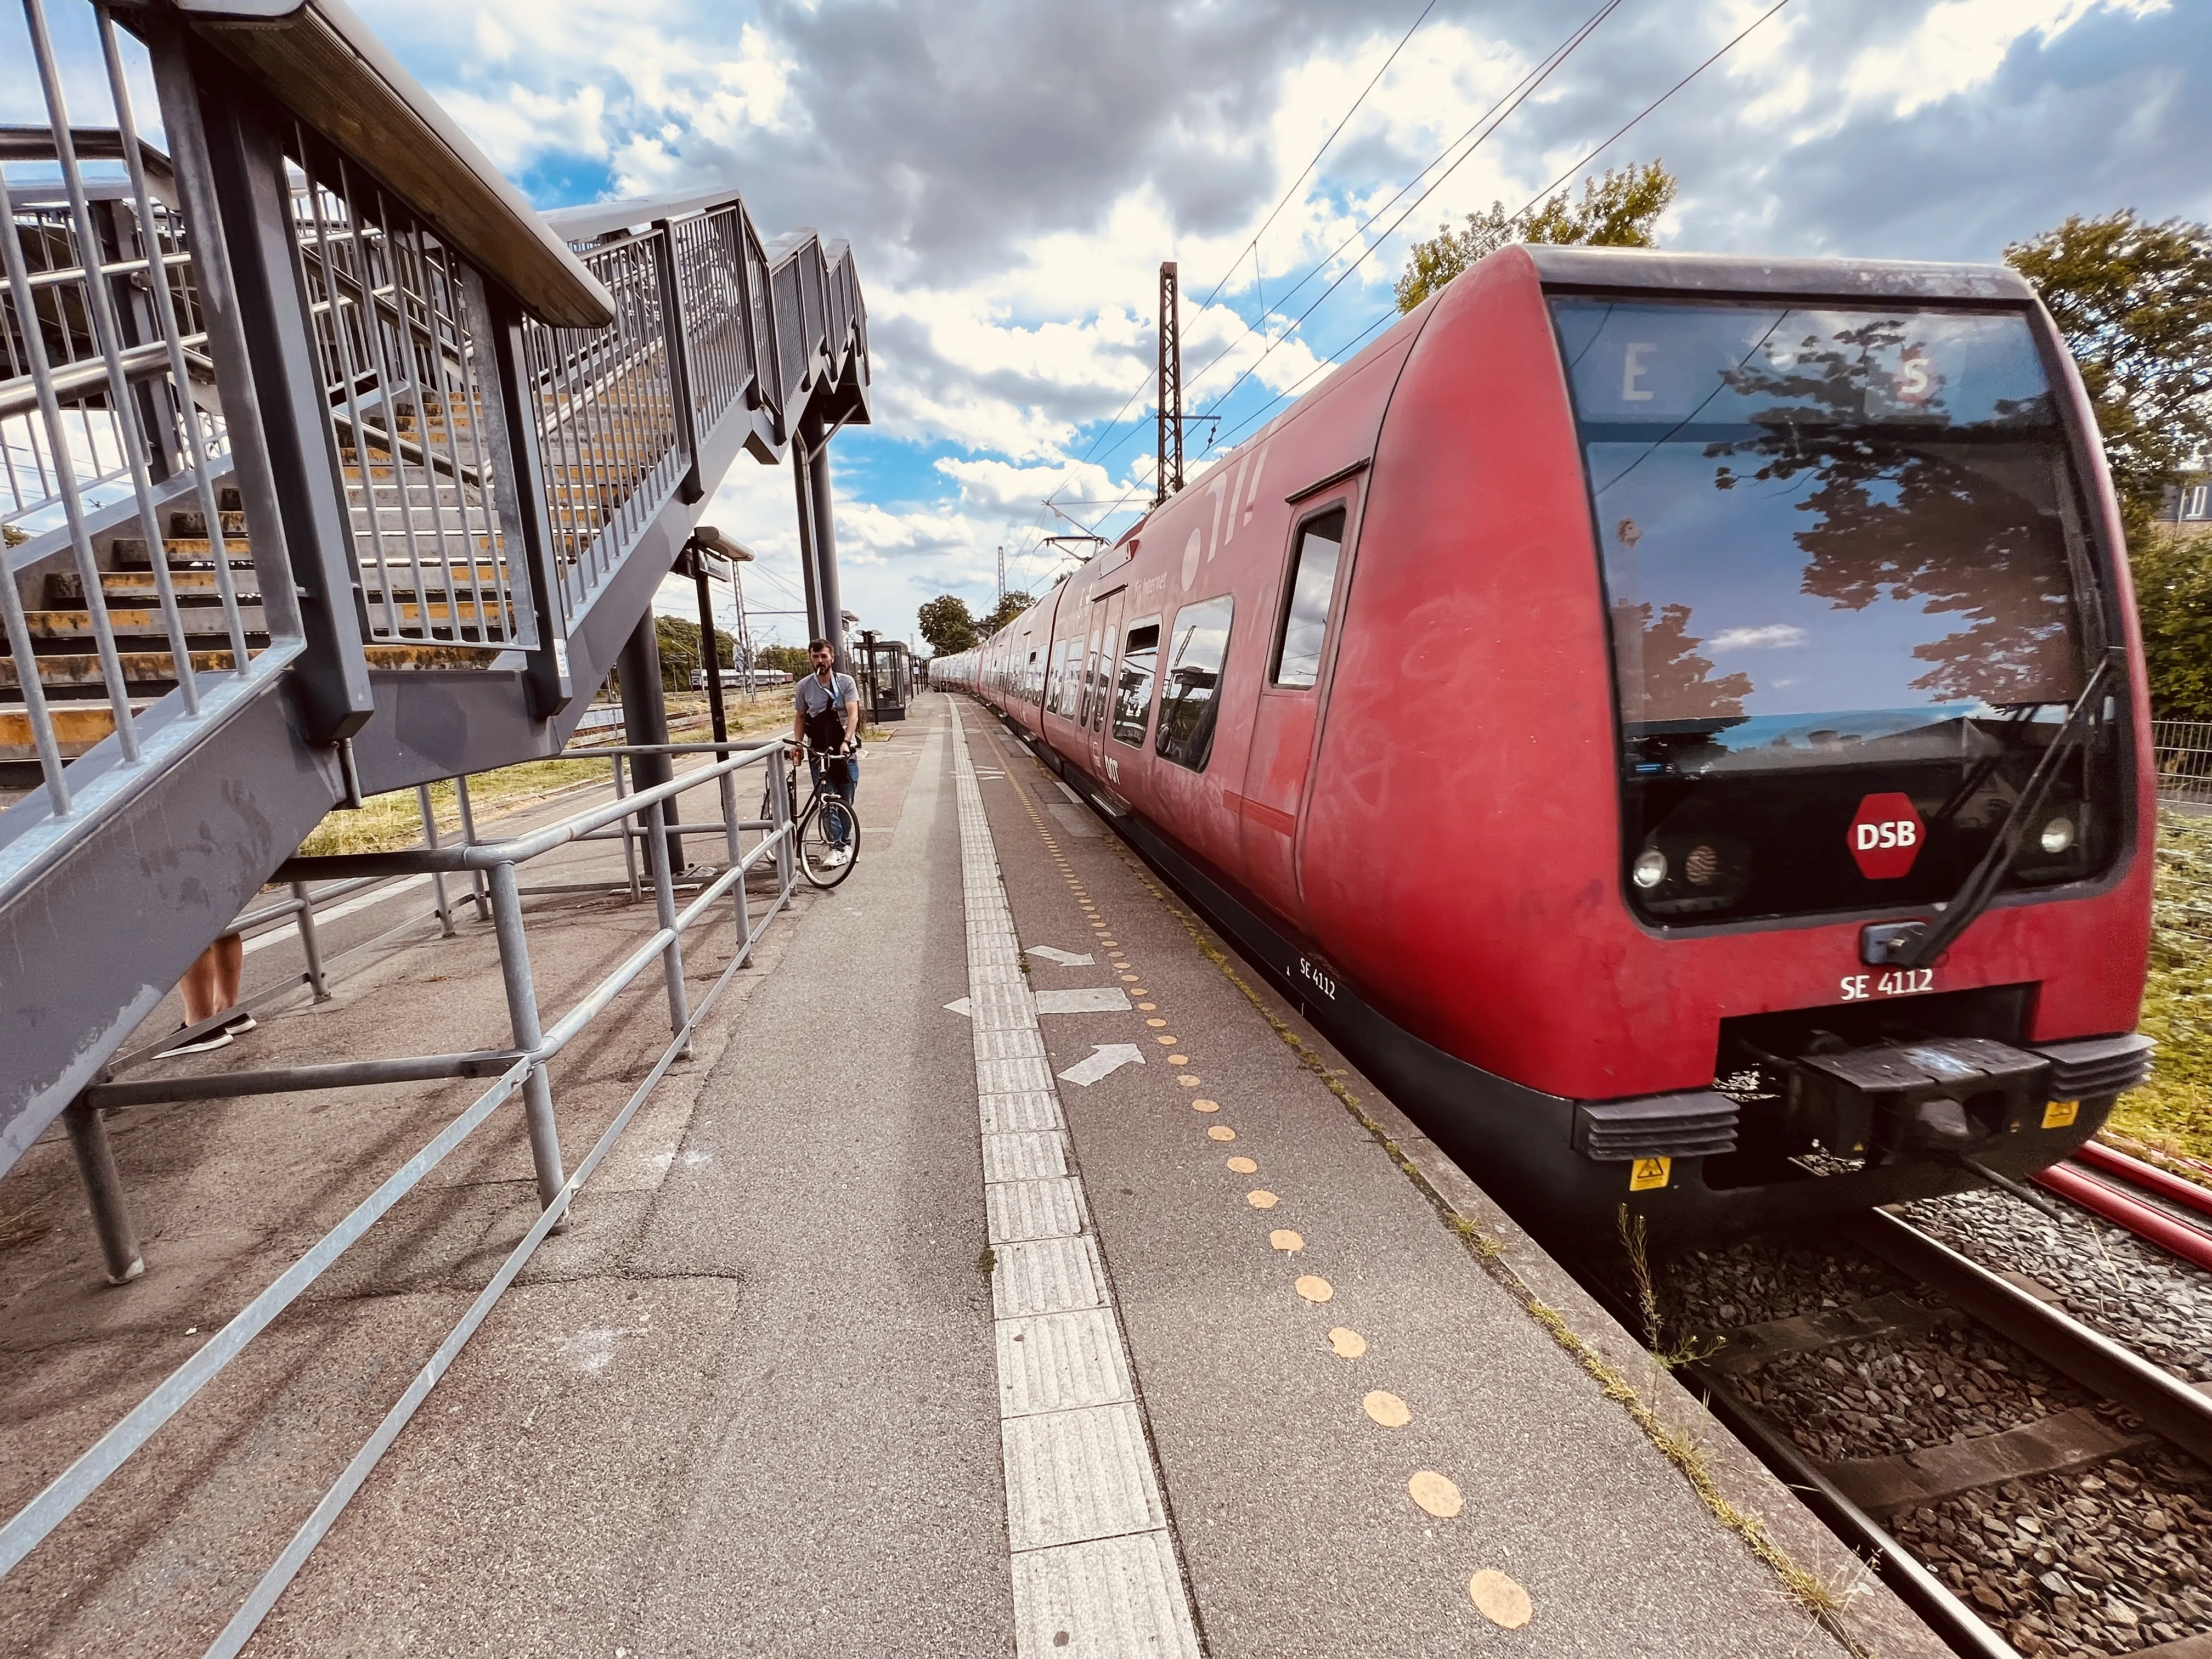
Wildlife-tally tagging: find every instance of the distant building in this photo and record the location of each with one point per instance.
(2187, 508)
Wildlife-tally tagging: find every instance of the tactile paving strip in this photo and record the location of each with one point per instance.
(1095, 1568)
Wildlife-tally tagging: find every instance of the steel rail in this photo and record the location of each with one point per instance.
(2166, 1406)
(1907, 1577)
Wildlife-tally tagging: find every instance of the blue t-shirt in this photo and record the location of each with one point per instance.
(820, 707)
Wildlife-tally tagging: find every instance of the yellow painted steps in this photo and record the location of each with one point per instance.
(79, 723)
(141, 669)
(77, 726)
(200, 621)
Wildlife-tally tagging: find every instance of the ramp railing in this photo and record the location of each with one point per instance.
(519, 1068)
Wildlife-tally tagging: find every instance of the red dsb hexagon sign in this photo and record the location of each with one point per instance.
(1885, 836)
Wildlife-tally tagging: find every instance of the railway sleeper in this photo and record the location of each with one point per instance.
(2068, 1440)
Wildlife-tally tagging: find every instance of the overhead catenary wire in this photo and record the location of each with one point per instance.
(1482, 127)
(1252, 247)
(1479, 131)
(1489, 124)
(1533, 203)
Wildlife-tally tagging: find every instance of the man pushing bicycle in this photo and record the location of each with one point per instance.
(825, 720)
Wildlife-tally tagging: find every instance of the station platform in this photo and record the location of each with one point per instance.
(1008, 1272)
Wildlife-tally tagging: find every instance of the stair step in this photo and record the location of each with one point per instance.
(66, 586)
(140, 668)
(433, 655)
(437, 614)
(194, 523)
(131, 552)
(77, 726)
(200, 621)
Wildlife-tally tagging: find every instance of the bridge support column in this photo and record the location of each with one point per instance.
(103, 1191)
(645, 720)
(825, 555)
(817, 548)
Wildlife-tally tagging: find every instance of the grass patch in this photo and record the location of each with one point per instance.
(388, 822)
(2171, 1114)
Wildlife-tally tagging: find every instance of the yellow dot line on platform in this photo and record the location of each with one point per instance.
(1498, 1597)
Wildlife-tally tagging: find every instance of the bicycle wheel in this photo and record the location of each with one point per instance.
(829, 842)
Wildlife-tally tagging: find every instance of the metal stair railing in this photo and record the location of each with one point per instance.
(104, 401)
(312, 396)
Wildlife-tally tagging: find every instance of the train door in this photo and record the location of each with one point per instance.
(1289, 711)
(1086, 689)
(1106, 632)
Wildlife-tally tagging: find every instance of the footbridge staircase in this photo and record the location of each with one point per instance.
(331, 468)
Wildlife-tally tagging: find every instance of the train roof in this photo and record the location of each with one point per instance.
(1655, 271)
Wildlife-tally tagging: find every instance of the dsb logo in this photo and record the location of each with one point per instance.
(1885, 836)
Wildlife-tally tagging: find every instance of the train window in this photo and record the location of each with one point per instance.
(1188, 700)
(1305, 610)
(1090, 688)
(1056, 691)
(1843, 561)
(1133, 690)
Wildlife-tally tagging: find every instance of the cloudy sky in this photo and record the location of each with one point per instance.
(1012, 174)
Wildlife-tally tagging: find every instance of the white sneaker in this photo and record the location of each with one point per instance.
(217, 1038)
(839, 856)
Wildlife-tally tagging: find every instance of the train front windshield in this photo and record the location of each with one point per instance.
(1843, 563)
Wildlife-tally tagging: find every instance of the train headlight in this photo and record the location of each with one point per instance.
(2058, 836)
(1650, 868)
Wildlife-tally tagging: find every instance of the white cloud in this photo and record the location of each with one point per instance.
(1960, 44)
(1013, 172)
(1774, 636)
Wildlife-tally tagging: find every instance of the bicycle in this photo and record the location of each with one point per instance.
(826, 832)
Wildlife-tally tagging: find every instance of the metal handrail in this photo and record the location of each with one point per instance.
(519, 1067)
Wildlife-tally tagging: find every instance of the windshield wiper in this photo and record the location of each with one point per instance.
(1974, 896)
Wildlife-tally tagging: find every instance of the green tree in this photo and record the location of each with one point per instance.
(2133, 301)
(2174, 598)
(679, 651)
(791, 659)
(948, 625)
(1010, 606)
(1617, 211)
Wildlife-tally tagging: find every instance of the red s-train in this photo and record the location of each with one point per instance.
(1677, 722)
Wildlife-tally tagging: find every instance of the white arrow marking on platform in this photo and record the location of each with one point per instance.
(1064, 959)
(1103, 1000)
(1105, 1057)
(964, 1008)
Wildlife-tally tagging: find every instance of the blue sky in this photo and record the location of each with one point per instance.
(1012, 171)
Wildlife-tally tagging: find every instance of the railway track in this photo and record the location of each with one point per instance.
(2027, 1484)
